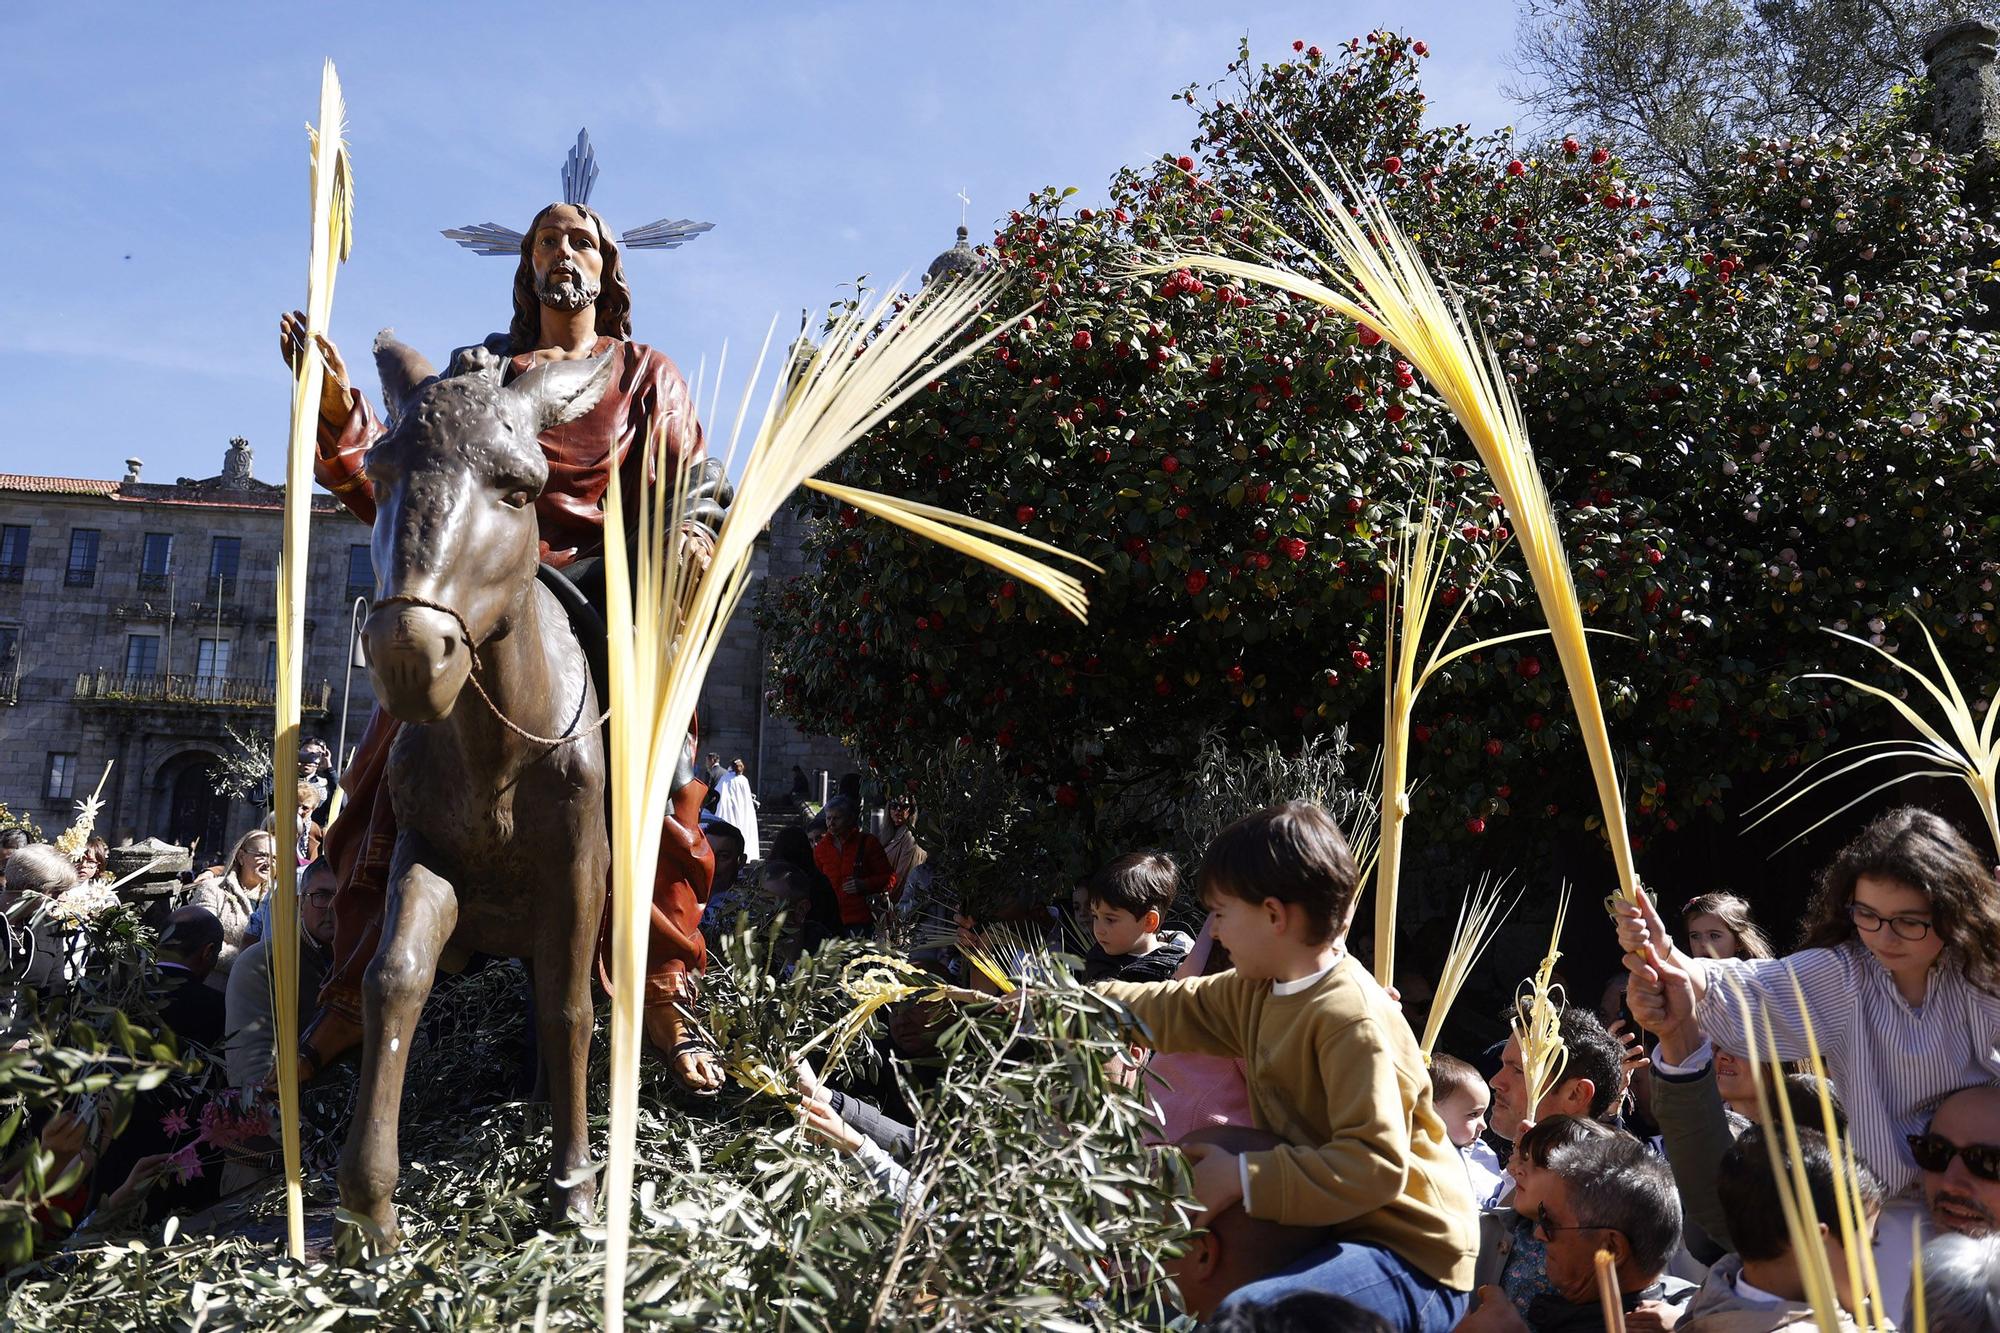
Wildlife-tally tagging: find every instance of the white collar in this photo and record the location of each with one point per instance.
(1307, 983)
(1746, 1290)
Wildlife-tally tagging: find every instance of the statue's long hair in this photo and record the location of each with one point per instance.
(614, 298)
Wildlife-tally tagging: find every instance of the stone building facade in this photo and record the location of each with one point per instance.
(736, 720)
(138, 624)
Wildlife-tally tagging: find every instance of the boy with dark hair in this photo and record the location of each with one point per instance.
(1759, 1286)
(1332, 1069)
(1128, 900)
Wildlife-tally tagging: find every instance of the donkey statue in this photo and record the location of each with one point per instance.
(501, 845)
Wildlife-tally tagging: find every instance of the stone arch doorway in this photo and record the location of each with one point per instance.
(189, 807)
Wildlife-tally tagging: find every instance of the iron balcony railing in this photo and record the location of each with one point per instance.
(10, 686)
(111, 689)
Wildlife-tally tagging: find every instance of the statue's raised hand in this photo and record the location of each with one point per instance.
(333, 401)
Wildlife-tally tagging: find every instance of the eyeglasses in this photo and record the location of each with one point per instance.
(1868, 919)
(1549, 1228)
(899, 805)
(1934, 1153)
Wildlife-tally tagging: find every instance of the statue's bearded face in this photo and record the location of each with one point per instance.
(568, 259)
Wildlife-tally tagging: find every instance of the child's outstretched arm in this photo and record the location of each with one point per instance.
(1200, 1015)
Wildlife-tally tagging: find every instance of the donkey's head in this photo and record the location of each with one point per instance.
(455, 483)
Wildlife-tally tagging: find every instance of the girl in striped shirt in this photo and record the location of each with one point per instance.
(1900, 974)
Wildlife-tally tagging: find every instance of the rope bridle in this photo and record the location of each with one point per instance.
(465, 632)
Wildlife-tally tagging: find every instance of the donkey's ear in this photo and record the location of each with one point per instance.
(403, 370)
(562, 391)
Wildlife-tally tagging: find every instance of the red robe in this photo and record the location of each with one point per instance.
(648, 393)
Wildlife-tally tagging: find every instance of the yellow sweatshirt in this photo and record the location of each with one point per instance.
(1335, 1071)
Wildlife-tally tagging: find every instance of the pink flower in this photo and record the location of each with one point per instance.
(185, 1164)
(175, 1122)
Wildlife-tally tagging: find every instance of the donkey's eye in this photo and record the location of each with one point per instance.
(517, 498)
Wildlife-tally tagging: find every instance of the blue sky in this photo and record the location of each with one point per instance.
(154, 213)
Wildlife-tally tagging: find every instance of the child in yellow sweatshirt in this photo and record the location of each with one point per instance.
(1333, 1069)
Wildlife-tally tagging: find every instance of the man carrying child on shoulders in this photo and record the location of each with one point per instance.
(1333, 1070)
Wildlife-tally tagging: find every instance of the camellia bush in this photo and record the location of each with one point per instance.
(1753, 424)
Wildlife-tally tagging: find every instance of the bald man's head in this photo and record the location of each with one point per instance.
(1964, 1146)
(193, 940)
(1235, 1249)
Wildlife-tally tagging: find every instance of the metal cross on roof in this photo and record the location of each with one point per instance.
(579, 176)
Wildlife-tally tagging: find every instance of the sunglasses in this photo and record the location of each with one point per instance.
(1549, 1227)
(1934, 1153)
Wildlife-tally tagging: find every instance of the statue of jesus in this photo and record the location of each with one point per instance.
(570, 303)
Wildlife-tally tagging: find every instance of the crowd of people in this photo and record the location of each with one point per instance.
(1343, 1179)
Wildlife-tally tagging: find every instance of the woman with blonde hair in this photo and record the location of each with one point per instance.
(236, 895)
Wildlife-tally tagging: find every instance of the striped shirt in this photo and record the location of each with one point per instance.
(1892, 1062)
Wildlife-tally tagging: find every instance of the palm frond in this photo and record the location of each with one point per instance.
(1802, 1220)
(77, 836)
(1479, 919)
(1412, 576)
(667, 622)
(1376, 278)
(1964, 747)
(943, 527)
(332, 241)
(1538, 1019)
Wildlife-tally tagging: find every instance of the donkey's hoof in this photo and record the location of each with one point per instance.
(572, 1205)
(357, 1238)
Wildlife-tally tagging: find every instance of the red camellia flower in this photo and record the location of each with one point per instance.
(1654, 555)
(1395, 411)
(1024, 515)
(1529, 668)
(1361, 659)
(1352, 504)
(1293, 547)
(1184, 163)
(1298, 46)
(1081, 342)
(1517, 168)
(1196, 581)
(1599, 156)
(1355, 402)
(1422, 732)
(1170, 464)
(1235, 674)
(1571, 146)
(1066, 796)
(1312, 53)
(1392, 165)
(1421, 48)
(1475, 825)
(1008, 589)
(1367, 335)
(1493, 747)
(1534, 722)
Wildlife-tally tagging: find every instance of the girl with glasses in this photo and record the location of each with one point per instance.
(1899, 978)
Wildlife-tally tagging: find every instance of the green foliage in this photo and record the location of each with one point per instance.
(1677, 85)
(1750, 429)
(1041, 1208)
(87, 1048)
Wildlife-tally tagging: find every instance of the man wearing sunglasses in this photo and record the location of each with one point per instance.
(1960, 1158)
